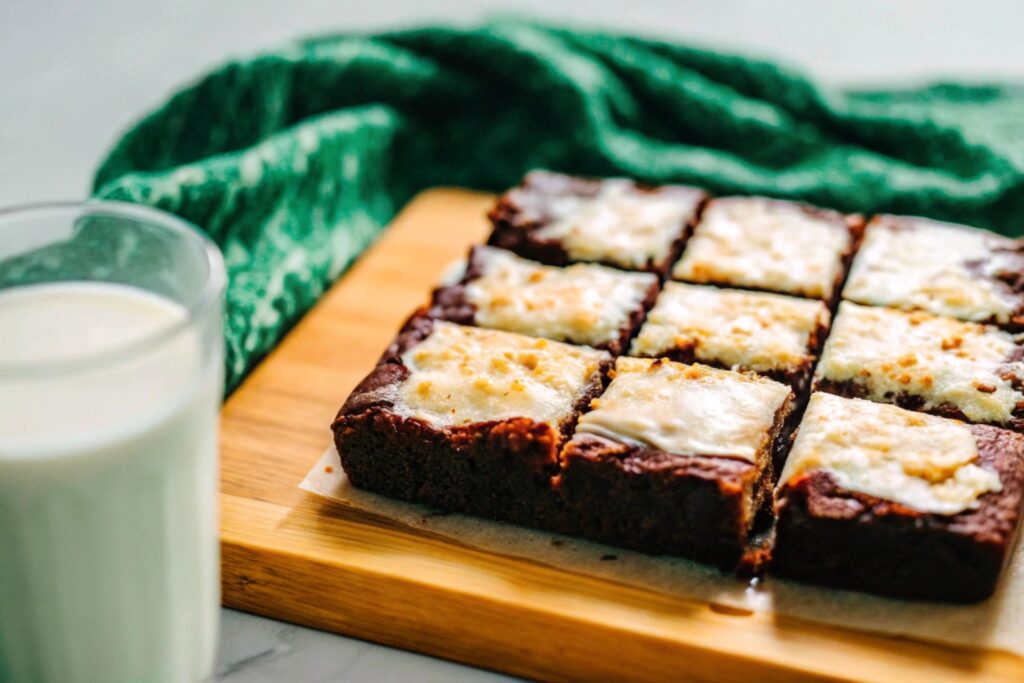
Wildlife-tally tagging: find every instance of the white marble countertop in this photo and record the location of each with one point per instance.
(258, 650)
(74, 74)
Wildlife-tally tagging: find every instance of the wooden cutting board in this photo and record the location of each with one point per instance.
(291, 555)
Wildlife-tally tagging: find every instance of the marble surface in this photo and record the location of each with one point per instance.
(257, 650)
(74, 74)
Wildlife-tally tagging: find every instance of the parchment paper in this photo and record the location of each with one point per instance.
(997, 623)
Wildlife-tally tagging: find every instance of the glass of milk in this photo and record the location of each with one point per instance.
(110, 384)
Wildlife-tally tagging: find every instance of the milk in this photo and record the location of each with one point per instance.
(108, 474)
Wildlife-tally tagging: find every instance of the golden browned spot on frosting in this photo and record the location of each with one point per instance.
(924, 462)
(772, 245)
(459, 375)
(943, 361)
(738, 329)
(619, 224)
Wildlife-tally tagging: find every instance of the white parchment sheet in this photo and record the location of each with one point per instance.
(997, 623)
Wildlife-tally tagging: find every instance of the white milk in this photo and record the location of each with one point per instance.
(108, 478)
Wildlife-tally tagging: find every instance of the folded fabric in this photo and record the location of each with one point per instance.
(294, 160)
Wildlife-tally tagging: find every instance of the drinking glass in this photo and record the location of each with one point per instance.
(110, 383)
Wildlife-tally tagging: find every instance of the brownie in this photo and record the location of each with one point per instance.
(582, 304)
(560, 382)
(962, 370)
(942, 268)
(771, 334)
(468, 419)
(880, 499)
(771, 245)
(559, 219)
(676, 459)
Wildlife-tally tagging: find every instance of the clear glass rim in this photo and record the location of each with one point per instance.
(209, 293)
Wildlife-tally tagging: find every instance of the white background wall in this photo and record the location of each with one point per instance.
(73, 74)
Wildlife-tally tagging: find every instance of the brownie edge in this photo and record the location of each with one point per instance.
(833, 536)
(500, 468)
(663, 503)
(674, 492)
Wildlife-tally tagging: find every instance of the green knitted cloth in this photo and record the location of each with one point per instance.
(294, 160)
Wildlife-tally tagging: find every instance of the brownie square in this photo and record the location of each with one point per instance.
(919, 361)
(559, 219)
(880, 499)
(771, 334)
(942, 268)
(582, 304)
(676, 459)
(770, 245)
(468, 419)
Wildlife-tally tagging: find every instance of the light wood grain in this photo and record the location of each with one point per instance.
(290, 555)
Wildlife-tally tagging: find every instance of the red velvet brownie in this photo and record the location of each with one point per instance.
(675, 458)
(583, 303)
(919, 361)
(770, 245)
(942, 268)
(468, 419)
(885, 500)
(770, 334)
(559, 219)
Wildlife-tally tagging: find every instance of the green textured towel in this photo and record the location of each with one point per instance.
(294, 160)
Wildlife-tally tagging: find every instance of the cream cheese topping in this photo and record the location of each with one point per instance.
(943, 361)
(756, 242)
(620, 224)
(583, 303)
(923, 264)
(459, 375)
(686, 409)
(924, 462)
(739, 329)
